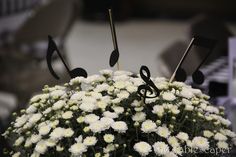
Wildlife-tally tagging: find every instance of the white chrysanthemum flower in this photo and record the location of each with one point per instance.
(48, 110)
(139, 109)
(28, 142)
(139, 117)
(51, 142)
(120, 126)
(107, 122)
(143, 148)
(109, 148)
(106, 72)
(159, 110)
(17, 154)
(200, 143)
(67, 115)
(186, 102)
(224, 121)
(88, 106)
(76, 80)
(162, 85)
(208, 133)
(160, 148)
(91, 118)
(54, 123)
(222, 145)
(220, 137)
(212, 109)
(203, 106)
(108, 138)
(131, 88)
(35, 118)
(97, 127)
(59, 148)
(57, 133)
(77, 149)
(182, 136)
(35, 98)
(123, 95)
(57, 93)
(78, 95)
(163, 132)
(58, 105)
(118, 109)
(109, 114)
(136, 103)
(35, 138)
(123, 78)
(31, 109)
(80, 119)
(175, 110)
(90, 141)
(41, 147)
(228, 133)
(44, 129)
(95, 78)
(20, 121)
(173, 141)
(101, 87)
(116, 100)
(189, 143)
(89, 99)
(168, 96)
(28, 125)
(102, 105)
(136, 81)
(19, 141)
(95, 95)
(186, 93)
(189, 107)
(68, 132)
(148, 126)
(120, 84)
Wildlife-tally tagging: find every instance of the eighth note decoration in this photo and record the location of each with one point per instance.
(52, 47)
(197, 76)
(114, 58)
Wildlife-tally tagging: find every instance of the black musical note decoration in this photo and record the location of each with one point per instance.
(149, 86)
(52, 47)
(197, 76)
(114, 58)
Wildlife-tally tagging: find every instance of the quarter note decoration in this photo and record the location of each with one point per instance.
(52, 47)
(148, 88)
(115, 53)
(197, 76)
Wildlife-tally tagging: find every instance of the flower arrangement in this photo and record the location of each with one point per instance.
(103, 115)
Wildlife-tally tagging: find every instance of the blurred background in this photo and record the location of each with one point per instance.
(154, 33)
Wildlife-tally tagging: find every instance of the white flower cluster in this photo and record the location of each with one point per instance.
(102, 116)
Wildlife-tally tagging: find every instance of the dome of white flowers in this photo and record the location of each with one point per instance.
(103, 115)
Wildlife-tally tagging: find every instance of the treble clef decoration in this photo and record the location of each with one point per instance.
(147, 90)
